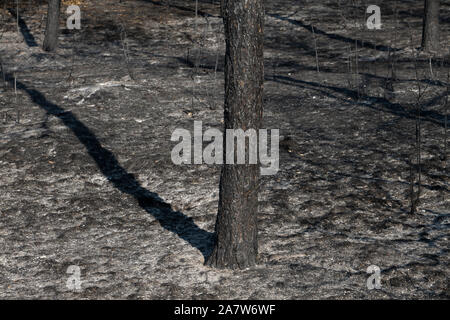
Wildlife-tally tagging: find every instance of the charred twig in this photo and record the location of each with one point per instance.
(123, 38)
(415, 196)
(349, 63)
(315, 48)
(444, 152)
(15, 99)
(357, 70)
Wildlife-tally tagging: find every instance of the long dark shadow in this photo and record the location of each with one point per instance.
(425, 81)
(28, 37)
(393, 108)
(171, 5)
(333, 35)
(171, 220)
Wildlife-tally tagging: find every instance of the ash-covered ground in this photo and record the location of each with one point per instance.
(86, 176)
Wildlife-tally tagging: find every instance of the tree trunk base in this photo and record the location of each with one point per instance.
(232, 259)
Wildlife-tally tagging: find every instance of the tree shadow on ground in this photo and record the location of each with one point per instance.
(385, 105)
(27, 36)
(182, 8)
(171, 220)
(334, 36)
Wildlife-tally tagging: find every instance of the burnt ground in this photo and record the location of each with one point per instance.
(86, 176)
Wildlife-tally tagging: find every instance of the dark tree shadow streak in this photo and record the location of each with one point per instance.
(425, 81)
(171, 220)
(182, 8)
(334, 36)
(28, 37)
(387, 106)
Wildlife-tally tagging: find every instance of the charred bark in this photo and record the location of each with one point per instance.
(52, 28)
(430, 32)
(236, 229)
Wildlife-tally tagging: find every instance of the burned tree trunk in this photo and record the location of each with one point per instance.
(52, 28)
(236, 243)
(430, 33)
